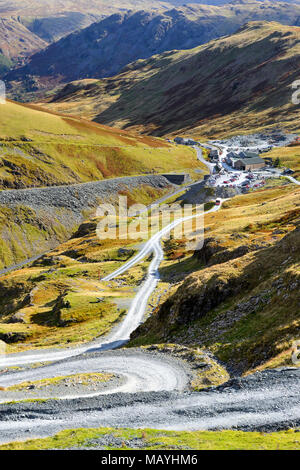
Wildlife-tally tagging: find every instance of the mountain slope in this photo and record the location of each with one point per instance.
(53, 7)
(102, 49)
(38, 148)
(16, 41)
(52, 28)
(237, 83)
(245, 308)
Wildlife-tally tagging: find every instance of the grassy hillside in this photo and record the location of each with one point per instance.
(239, 295)
(38, 148)
(151, 439)
(55, 300)
(289, 157)
(236, 84)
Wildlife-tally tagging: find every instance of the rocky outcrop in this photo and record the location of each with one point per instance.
(187, 309)
(60, 304)
(10, 338)
(213, 252)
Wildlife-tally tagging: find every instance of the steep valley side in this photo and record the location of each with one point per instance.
(238, 84)
(238, 296)
(33, 221)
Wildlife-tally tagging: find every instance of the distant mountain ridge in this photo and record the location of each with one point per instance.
(16, 41)
(238, 83)
(53, 28)
(105, 47)
(28, 26)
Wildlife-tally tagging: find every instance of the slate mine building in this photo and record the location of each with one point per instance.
(252, 163)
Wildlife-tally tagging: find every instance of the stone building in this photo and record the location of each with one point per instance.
(254, 163)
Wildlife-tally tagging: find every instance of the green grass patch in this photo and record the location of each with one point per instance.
(158, 440)
(74, 379)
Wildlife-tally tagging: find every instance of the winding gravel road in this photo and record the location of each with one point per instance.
(265, 401)
(142, 370)
(121, 333)
(154, 390)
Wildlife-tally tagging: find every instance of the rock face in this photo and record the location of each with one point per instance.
(2, 347)
(18, 317)
(214, 253)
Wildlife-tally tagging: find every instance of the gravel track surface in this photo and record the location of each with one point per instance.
(139, 370)
(265, 401)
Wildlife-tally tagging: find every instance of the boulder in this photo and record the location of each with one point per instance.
(18, 317)
(14, 337)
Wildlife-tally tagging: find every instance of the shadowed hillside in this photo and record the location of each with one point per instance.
(105, 47)
(235, 84)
